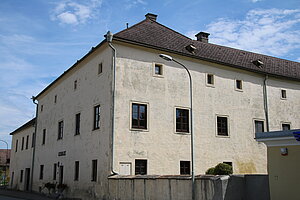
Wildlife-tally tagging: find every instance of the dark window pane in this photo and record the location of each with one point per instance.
(283, 94)
(210, 79)
(182, 120)
(60, 130)
(239, 84)
(259, 126)
(41, 172)
(54, 171)
(140, 167)
(77, 124)
(222, 125)
(97, 117)
(286, 127)
(185, 167)
(94, 170)
(76, 175)
(139, 116)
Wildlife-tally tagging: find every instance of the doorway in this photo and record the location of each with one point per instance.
(61, 174)
(27, 179)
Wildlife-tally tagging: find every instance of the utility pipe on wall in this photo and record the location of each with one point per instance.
(265, 96)
(34, 140)
(109, 37)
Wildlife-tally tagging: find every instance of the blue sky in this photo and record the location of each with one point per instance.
(40, 39)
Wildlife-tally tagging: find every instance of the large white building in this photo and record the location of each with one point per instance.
(123, 109)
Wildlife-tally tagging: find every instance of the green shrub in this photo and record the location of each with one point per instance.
(210, 171)
(223, 169)
(220, 169)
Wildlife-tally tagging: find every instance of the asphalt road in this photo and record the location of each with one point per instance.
(8, 198)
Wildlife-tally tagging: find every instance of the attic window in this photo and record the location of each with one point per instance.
(191, 48)
(258, 63)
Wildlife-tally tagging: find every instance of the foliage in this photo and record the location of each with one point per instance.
(220, 169)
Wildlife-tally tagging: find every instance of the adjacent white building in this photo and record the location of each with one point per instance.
(123, 109)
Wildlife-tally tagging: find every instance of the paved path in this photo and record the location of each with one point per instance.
(19, 195)
(8, 198)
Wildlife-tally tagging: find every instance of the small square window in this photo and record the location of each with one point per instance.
(286, 127)
(182, 120)
(283, 94)
(239, 84)
(140, 167)
(185, 167)
(100, 68)
(259, 126)
(210, 79)
(222, 126)
(158, 69)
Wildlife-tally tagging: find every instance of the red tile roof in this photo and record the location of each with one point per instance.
(152, 34)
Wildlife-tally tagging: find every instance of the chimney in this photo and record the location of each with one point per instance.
(151, 16)
(202, 37)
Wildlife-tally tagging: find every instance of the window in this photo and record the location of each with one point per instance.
(210, 79)
(55, 98)
(100, 68)
(44, 136)
(17, 145)
(139, 116)
(54, 171)
(27, 140)
(97, 117)
(283, 94)
(76, 174)
(222, 126)
(22, 147)
(140, 167)
(75, 84)
(182, 120)
(42, 108)
(239, 84)
(77, 124)
(158, 69)
(259, 126)
(60, 130)
(41, 172)
(286, 127)
(94, 170)
(32, 140)
(21, 176)
(185, 167)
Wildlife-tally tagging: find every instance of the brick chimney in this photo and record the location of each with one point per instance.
(151, 16)
(202, 37)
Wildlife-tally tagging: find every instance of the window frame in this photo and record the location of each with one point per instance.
(181, 131)
(136, 165)
(17, 143)
(139, 128)
(21, 176)
(44, 137)
(54, 171)
(96, 117)
(236, 85)
(22, 144)
(284, 124)
(27, 142)
(94, 170)
(283, 94)
(254, 124)
(77, 123)
(76, 170)
(41, 176)
(100, 68)
(182, 167)
(161, 74)
(213, 80)
(60, 134)
(228, 126)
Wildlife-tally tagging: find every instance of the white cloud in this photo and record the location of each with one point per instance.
(273, 31)
(254, 1)
(71, 12)
(133, 3)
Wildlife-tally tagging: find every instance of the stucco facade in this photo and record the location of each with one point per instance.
(85, 86)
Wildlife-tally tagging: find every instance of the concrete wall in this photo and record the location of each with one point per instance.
(236, 187)
(92, 89)
(20, 159)
(284, 172)
(162, 146)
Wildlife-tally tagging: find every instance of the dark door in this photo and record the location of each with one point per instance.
(61, 174)
(27, 179)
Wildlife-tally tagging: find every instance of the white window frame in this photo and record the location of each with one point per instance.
(206, 80)
(235, 85)
(174, 120)
(162, 70)
(281, 94)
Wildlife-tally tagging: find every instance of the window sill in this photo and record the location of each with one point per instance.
(139, 129)
(210, 85)
(238, 90)
(158, 75)
(182, 133)
(223, 136)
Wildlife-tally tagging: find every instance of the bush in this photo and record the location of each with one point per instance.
(210, 171)
(220, 169)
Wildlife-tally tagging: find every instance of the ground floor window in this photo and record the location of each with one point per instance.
(185, 167)
(140, 167)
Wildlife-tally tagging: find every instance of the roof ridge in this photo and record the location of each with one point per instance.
(132, 26)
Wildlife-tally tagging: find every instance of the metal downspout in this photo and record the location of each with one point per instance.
(34, 140)
(265, 95)
(109, 37)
